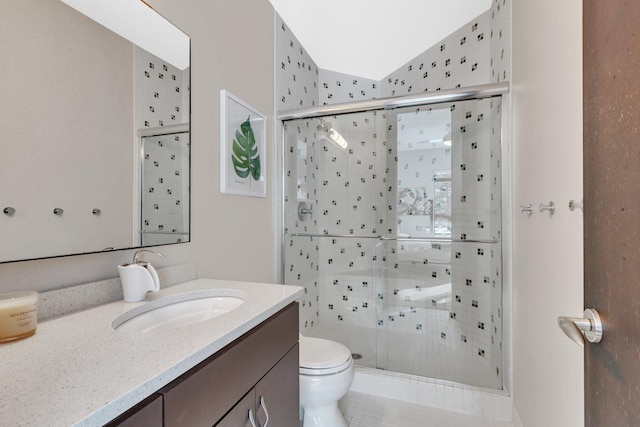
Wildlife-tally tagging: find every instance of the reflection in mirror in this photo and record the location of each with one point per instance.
(424, 173)
(165, 153)
(78, 102)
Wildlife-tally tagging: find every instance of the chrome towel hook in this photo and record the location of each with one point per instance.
(551, 207)
(528, 209)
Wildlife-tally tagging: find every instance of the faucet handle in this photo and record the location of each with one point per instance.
(137, 255)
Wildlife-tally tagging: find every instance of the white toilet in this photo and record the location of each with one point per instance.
(326, 373)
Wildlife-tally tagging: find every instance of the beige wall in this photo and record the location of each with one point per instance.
(547, 165)
(232, 236)
(66, 127)
(232, 48)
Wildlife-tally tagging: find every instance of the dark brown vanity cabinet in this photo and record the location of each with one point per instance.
(258, 372)
(271, 400)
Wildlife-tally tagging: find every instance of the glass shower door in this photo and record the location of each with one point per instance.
(440, 284)
(414, 277)
(393, 227)
(335, 209)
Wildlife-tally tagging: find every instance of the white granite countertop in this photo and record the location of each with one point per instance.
(78, 370)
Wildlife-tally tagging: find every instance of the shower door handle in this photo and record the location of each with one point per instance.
(304, 210)
(579, 328)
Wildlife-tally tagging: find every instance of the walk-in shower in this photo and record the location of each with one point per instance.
(393, 225)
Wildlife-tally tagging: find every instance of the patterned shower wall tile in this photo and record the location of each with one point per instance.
(500, 40)
(349, 206)
(301, 257)
(336, 88)
(302, 253)
(297, 73)
(162, 91)
(474, 171)
(477, 53)
(461, 59)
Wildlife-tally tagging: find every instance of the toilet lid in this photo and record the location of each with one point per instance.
(317, 353)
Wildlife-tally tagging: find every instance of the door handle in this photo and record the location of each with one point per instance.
(579, 328)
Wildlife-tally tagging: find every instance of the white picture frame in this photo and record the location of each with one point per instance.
(243, 147)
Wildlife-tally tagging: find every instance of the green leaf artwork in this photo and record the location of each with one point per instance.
(245, 155)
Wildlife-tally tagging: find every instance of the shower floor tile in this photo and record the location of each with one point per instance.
(364, 410)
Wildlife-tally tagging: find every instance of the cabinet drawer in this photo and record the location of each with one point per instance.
(207, 392)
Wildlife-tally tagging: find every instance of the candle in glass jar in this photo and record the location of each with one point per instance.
(18, 315)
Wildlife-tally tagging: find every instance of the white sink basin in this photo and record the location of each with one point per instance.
(179, 310)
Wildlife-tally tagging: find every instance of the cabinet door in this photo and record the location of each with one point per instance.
(277, 393)
(239, 415)
(201, 397)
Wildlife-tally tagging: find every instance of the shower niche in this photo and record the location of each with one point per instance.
(401, 260)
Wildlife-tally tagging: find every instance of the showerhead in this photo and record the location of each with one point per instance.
(326, 131)
(324, 126)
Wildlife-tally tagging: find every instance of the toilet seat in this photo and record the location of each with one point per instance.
(323, 357)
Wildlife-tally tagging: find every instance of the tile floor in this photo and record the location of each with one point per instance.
(364, 410)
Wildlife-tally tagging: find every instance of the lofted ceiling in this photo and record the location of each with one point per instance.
(372, 38)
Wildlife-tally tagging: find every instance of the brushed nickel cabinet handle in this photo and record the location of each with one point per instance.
(251, 419)
(263, 405)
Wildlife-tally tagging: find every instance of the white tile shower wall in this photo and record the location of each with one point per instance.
(161, 96)
(500, 40)
(336, 88)
(462, 59)
(476, 272)
(499, 355)
(477, 53)
(297, 86)
(296, 73)
(302, 253)
(351, 201)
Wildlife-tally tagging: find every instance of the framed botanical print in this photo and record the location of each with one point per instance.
(243, 156)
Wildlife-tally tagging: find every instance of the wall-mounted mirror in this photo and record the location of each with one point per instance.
(94, 152)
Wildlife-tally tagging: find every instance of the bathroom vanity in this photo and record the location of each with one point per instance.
(257, 374)
(78, 370)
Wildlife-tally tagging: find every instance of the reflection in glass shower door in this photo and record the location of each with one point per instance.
(442, 203)
(439, 286)
(165, 189)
